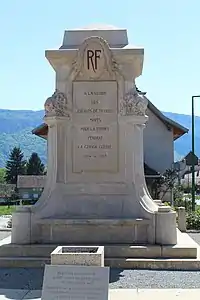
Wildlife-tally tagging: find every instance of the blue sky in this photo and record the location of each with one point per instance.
(168, 30)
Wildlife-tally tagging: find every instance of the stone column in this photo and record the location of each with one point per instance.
(21, 225)
(57, 148)
(181, 219)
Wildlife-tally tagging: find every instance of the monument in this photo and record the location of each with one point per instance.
(95, 191)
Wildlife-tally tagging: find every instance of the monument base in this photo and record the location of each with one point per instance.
(91, 231)
(185, 255)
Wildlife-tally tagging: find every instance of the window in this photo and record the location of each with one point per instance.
(25, 196)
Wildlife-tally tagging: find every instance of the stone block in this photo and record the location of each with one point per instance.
(78, 255)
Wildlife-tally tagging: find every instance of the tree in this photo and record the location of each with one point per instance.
(15, 166)
(35, 165)
(2, 175)
(164, 183)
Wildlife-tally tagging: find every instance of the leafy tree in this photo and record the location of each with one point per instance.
(35, 165)
(164, 183)
(15, 166)
(2, 175)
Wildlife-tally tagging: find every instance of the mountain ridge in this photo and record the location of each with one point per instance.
(16, 130)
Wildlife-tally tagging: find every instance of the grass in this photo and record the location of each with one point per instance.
(5, 210)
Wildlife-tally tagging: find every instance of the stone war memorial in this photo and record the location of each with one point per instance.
(95, 191)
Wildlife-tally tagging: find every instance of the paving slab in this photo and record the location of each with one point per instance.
(130, 294)
(33, 295)
(14, 294)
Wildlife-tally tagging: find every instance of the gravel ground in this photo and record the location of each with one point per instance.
(195, 237)
(31, 279)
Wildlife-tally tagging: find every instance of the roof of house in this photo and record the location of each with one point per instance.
(149, 172)
(31, 181)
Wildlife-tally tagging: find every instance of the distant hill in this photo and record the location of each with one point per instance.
(15, 130)
(183, 144)
(16, 126)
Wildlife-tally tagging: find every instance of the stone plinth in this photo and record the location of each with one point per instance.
(78, 255)
(95, 191)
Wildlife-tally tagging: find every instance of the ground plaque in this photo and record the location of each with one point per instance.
(95, 123)
(75, 283)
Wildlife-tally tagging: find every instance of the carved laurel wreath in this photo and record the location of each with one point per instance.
(56, 105)
(134, 103)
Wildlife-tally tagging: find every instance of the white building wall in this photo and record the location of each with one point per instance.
(158, 144)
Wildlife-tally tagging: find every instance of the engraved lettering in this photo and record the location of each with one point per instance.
(97, 137)
(94, 110)
(94, 93)
(93, 102)
(94, 128)
(92, 59)
(109, 146)
(97, 120)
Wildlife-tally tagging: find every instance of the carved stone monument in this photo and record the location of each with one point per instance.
(95, 190)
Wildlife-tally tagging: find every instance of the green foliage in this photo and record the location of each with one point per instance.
(34, 165)
(193, 220)
(2, 176)
(6, 190)
(163, 184)
(16, 165)
(5, 210)
(25, 140)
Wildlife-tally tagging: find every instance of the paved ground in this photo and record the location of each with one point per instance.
(4, 221)
(115, 294)
(195, 237)
(31, 279)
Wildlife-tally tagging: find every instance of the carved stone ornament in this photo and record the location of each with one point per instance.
(94, 57)
(134, 103)
(56, 105)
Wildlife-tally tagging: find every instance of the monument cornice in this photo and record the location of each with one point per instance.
(130, 59)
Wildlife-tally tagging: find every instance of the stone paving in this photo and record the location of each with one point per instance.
(128, 294)
(26, 283)
(31, 279)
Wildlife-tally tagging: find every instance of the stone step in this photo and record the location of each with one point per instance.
(154, 264)
(120, 251)
(11, 250)
(114, 262)
(151, 251)
(24, 262)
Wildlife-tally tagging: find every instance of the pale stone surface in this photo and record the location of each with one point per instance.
(95, 189)
(12, 294)
(21, 225)
(75, 282)
(116, 37)
(182, 219)
(78, 255)
(116, 294)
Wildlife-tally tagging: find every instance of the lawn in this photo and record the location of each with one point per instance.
(5, 210)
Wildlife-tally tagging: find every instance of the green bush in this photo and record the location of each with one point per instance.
(193, 220)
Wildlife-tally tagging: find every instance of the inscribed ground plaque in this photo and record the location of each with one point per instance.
(95, 126)
(75, 283)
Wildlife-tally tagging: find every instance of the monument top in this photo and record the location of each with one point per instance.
(115, 37)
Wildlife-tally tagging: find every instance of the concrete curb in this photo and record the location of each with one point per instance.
(6, 229)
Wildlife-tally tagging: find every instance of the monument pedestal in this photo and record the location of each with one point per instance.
(95, 192)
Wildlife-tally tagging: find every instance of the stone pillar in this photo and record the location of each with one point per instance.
(166, 233)
(181, 219)
(21, 225)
